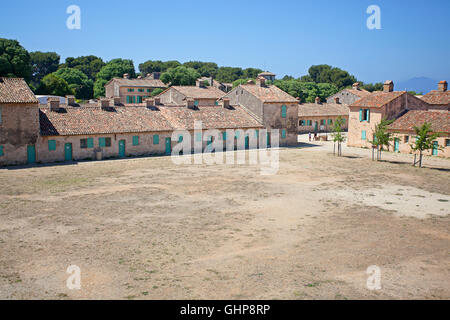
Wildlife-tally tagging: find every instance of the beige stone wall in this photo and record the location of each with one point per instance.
(173, 96)
(239, 96)
(405, 147)
(327, 128)
(272, 120)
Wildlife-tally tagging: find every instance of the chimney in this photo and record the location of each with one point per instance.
(126, 76)
(70, 100)
(53, 103)
(336, 100)
(117, 101)
(442, 86)
(150, 102)
(355, 86)
(200, 83)
(157, 101)
(226, 103)
(190, 103)
(103, 103)
(388, 86)
(250, 82)
(317, 100)
(261, 81)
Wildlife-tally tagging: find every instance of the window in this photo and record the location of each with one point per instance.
(51, 145)
(149, 90)
(180, 138)
(83, 143)
(156, 139)
(1, 151)
(198, 137)
(135, 140)
(257, 133)
(129, 99)
(447, 142)
(139, 99)
(364, 115)
(196, 103)
(86, 143)
(330, 121)
(363, 135)
(309, 122)
(224, 136)
(216, 103)
(238, 134)
(283, 133)
(130, 90)
(104, 142)
(406, 140)
(283, 111)
(140, 90)
(322, 122)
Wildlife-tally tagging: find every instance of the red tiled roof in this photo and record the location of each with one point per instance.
(323, 109)
(15, 90)
(377, 99)
(196, 92)
(94, 120)
(212, 117)
(440, 121)
(270, 94)
(436, 97)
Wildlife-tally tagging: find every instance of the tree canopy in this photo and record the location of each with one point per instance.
(114, 68)
(42, 64)
(157, 66)
(15, 61)
(78, 81)
(89, 65)
(180, 76)
(306, 91)
(53, 85)
(327, 74)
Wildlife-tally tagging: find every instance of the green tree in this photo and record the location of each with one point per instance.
(15, 61)
(229, 74)
(338, 136)
(180, 76)
(55, 86)
(371, 87)
(251, 73)
(156, 91)
(241, 81)
(327, 74)
(381, 137)
(206, 69)
(114, 68)
(78, 81)
(424, 140)
(89, 65)
(43, 63)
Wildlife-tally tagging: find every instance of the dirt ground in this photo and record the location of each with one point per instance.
(149, 229)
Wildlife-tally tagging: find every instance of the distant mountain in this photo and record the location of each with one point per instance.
(418, 84)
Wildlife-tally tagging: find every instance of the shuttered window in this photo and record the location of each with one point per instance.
(196, 103)
(135, 140)
(363, 135)
(156, 139)
(90, 143)
(283, 133)
(51, 145)
(180, 138)
(224, 136)
(330, 121)
(198, 137)
(1, 151)
(283, 111)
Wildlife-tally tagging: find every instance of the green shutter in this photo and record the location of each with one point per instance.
(135, 140)
(156, 139)
(180, 138)
(196, 103)
(102, 142)
(238, 134)
(368, 115)
(257, 133)
(363, 135)
(90, 143)
(283, 133)
(198, 137)
(51, 145)
(1, 151)
(224, 136)
(216, 103)
(360, 114)
(134, 99)
(330, 121)
(283, 111)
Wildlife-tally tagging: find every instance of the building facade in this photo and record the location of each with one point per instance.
(321, 117)
(349, 96)
(438, 99)
(201, 94)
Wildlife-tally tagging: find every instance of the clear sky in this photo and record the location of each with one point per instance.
(282, 36)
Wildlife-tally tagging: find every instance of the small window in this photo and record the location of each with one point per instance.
(283, 111)
(363, 135)
(141, 90)
(180, 138)
(104, 142)
(156, 139)
(108, 142)
(406, 140)
(51, 145)
(198, 137)
(364, 115)
(195, 103)
(330, 121)
(447, 142)
(283, 133)
(130, 90)
(148, 90)
(83, 143)
(257, 133)
(224, 136)
(139, 99)
(135, 140)
(322, 122)
(1, 151)
(237, 134)
(216, 103)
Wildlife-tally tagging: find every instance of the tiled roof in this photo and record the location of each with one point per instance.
(269, 93)
(212, 117)
(437, 97)
(94, 120)
(15, 90)
(360, 93)
(440, 120)
(323, 109)
(152, 83)
(196, 92)
(377, 99)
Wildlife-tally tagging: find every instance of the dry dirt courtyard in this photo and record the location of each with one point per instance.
(146, 228)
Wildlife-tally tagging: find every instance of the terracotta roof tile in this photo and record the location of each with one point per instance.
(15, 90)
(440, 120)
(195, 92)
(270, 94)
(323, 109)
(437, 97)
(360, 93)
(377, 99)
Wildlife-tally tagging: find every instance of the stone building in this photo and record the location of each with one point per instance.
(132, 91)
(225, 87)
(404, 134)
(201, 94)
(19, 122)
(367, 112)
(438, 99)
(273, 107)
(269, 76)
(320, 117)
(348, 96)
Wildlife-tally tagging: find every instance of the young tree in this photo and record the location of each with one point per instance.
(381, 137)
(180, 76)
(15, 61)
(337, 135)
(424, 140)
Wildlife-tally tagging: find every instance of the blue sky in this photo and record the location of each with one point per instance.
(283, 36)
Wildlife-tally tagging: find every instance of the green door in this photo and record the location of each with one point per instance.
(31, 154)
(122, 148)
(68, 152)
(435, 148)
(247, 142)
(268, 140)
(316, 126)
(168, 146)
(396, 145)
